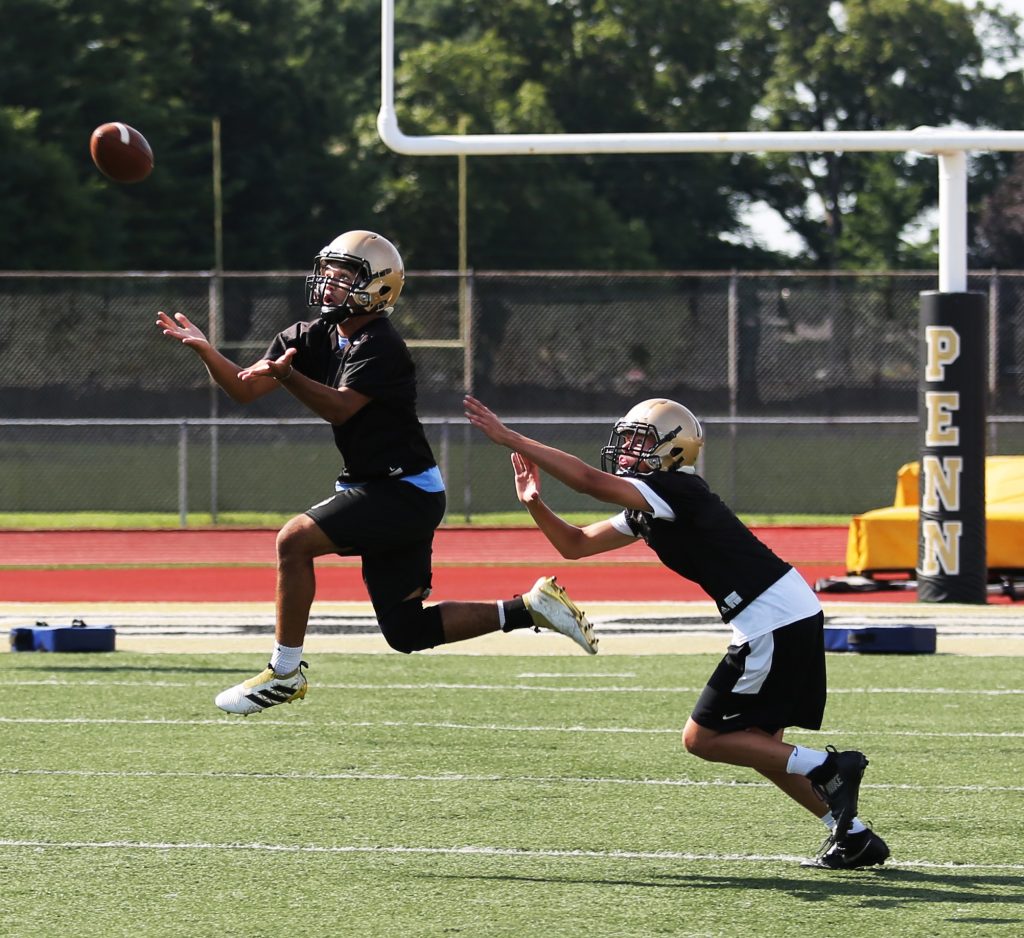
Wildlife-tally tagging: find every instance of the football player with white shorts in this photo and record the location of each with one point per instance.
(350, 366)
(773, 674)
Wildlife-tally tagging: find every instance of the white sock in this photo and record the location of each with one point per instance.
(501, 614)
(803, 760)
(285, 659)
(830, 822)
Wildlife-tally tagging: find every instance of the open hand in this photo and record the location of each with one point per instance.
(484, 419)
(279, 368)
(527, 479)
(181, 328)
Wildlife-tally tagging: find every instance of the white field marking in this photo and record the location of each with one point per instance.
(472, 727)
(52, 682)
(458, 777)
(516, 852)
(975, 692)
(569, 675)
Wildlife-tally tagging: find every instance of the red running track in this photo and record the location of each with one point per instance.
(467, 546)
(469, 563)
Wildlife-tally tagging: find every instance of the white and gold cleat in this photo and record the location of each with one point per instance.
(267, 689)
(550, 607)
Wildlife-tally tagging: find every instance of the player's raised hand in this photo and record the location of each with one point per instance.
(181, 328)
(484, 419)
(527, 479)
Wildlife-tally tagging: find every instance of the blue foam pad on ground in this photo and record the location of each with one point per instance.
(882, 639)
(75, 637)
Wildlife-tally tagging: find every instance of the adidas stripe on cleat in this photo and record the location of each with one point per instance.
(265, 690)
(551, 608)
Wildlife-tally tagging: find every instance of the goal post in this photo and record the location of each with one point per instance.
(942, 543)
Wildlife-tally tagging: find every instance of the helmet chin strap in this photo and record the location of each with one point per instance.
(332, 315)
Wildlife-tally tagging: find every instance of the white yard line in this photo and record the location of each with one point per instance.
(542, 688)
(480, 851)
(461, 778)
(263, 720)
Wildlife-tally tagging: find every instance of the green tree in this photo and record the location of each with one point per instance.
(558, 67)
(295, 85)
(45, 229)
(874, 65)
(74, 65)
(999, 238)
(284, 78)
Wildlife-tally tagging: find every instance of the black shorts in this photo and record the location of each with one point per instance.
(390, 524)
(771, 682)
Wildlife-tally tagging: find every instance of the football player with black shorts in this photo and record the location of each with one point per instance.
(350, 366)
(773, 674)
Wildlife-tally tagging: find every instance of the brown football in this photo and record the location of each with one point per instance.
(121, 153)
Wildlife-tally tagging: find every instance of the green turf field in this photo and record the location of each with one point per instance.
(489, 796)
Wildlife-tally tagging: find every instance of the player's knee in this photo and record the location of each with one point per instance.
(288, 540)
(408, 627)
(294, 540)
(695, 742)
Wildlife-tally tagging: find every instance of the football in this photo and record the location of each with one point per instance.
(121, 153)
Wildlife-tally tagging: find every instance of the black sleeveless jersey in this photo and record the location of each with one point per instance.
(384, 439)
(706, 542)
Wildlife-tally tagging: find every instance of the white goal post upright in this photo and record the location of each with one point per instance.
(951, 535)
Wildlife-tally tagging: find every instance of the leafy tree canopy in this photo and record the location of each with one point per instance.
(295, 84)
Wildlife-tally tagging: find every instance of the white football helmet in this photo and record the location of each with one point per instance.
(658, 435)
(373, 286)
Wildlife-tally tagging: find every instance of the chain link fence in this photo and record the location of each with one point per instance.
(806, 383)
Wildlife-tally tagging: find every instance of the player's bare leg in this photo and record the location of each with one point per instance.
(753, 750)
(758, 751)
(851, 844)
(299, 542)
(835, 778)
(859, 847)
(282, 681)
(770, 756)
(798, 787)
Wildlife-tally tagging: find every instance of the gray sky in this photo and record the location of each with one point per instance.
(1011, 6)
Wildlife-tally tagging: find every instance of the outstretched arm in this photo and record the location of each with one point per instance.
(221, 368)
(565, 467)
(335, 405)
(571, 542)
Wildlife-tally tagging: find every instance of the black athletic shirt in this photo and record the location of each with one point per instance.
(384, 439)
(706, 542)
